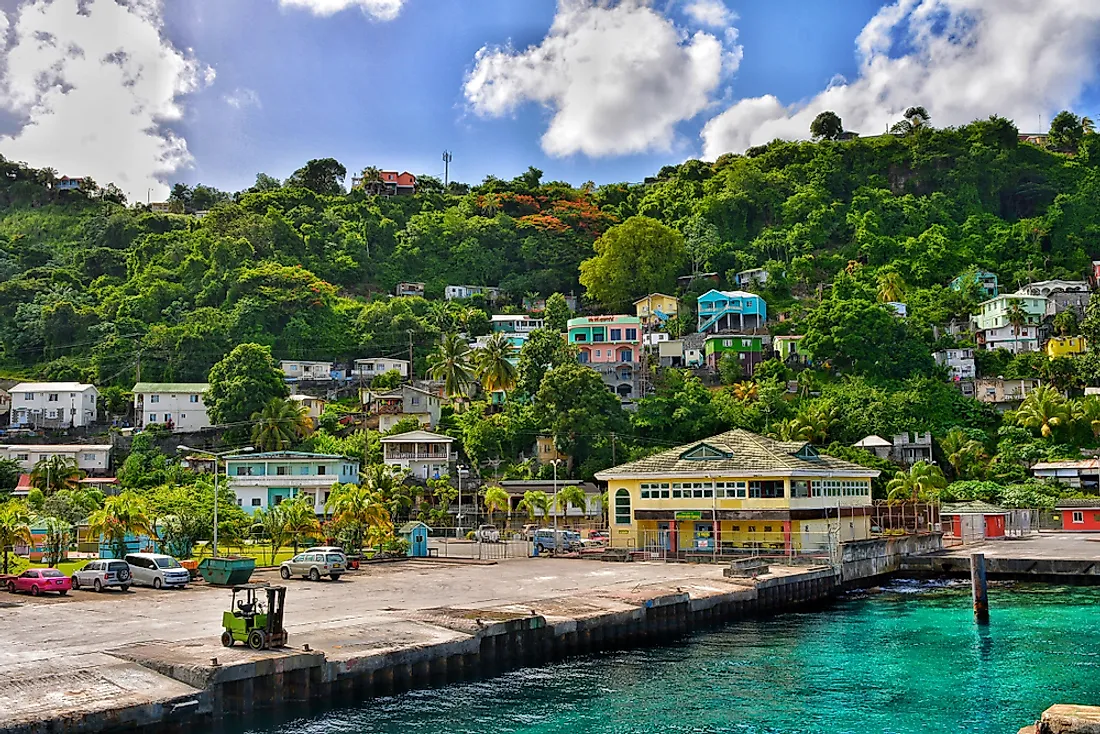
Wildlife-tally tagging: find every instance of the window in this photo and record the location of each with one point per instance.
(800, 488)
(632, 335)
(51, 413)
(244, 471)
(415, 400)
(766, 489)
(580, 337)
(599, 353)
(622, 507)
(194, 398)
(22, 457)
(88, 457)
(282, 471)
(727, 342)
(152, 418)
(239, 502)
(256, 501)
(616, 335)
(154, 398)
(1078, 517)
(321, 469)
(28, 396)
(167, 417)
(731, 490)
(53, 397)
(293, 368)
(278, 499)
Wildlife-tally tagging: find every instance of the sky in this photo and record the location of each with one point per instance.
(145, 93)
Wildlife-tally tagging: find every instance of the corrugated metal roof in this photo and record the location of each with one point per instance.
(180, 387)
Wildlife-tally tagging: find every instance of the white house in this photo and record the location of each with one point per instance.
(297, 369)
(403, 402)
(452, 292)
(5, 402)
(315, 407)
(374, 366)
(425, 455)
(959, 363)
(95, 459)
(53, 404)
(177, 405)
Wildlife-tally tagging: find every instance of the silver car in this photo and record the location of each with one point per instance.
(103, 573)
(314, 565)
(157, 570)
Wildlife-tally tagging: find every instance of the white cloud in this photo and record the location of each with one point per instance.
(377, 9)
(711, 13)
(242, 98)
(617, 76)
(962, 60)
(96, 81)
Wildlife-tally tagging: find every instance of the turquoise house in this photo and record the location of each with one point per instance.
(264, 480)
(730, 311)
(987, 281)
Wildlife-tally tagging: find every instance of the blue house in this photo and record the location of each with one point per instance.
(985, 279)
(266, 479)
(730, 311)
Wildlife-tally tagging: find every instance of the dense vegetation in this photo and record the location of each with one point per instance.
(91, 288)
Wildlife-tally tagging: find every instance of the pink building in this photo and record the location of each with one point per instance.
(611, 345)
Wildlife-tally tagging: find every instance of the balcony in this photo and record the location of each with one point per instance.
(295, 481)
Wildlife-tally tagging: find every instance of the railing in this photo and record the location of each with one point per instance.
(799, 547)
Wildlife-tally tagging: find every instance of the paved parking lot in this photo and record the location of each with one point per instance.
(1040, 546)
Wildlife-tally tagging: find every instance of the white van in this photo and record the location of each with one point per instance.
(156, 570)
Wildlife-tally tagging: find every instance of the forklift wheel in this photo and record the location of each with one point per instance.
(227, 639)
(257, 640)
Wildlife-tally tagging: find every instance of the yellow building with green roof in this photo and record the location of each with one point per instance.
(735, 491)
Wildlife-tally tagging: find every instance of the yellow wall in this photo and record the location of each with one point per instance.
(1062, 346)
(666, 304)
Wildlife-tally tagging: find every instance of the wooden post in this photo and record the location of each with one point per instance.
(980, 593)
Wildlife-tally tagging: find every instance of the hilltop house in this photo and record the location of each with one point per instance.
(612, 346)
(994, 329)
(452, 292)
(748, 349)
(1061, 295)
(264, 480)
(986, 280)
(730, 311)
(315, 407)
(177, 405)
(789, 349)
(1076, 473)
(392, 183)
(746, 278)
(405, 401)
(93, 459)
(53, 405)
(738, 490)
(370, 367)
(656, 309)
(425, 455)
(959, 362)
(68, 184)
(1001, 393)
(409, 289)
(1064, 346)
(298, 369)
(538, 305)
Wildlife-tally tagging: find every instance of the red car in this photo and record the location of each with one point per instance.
(40, 580)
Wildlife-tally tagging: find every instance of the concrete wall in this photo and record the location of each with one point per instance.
(864, 559)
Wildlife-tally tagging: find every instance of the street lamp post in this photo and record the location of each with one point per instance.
(215, 455)
(458, 517)
(554, 506)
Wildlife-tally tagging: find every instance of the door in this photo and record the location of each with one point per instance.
(664, 537)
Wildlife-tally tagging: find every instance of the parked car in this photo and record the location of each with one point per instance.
(487, 534)
(601, 535)
(102, 573)
(157, 570)
(314, 565)
(352, 562)
(568, 540)
(38, 581)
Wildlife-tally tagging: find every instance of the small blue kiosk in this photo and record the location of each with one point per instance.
(415, 534)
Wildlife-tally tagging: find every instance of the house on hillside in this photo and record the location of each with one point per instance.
(1001, 393)
(753, 276)
(538, 305)
(994, 329)
(178, 406)
(748, 349)
(1076, 473)
(904, 448)
(670, 352)
(452, 292)
(403, 402)
(299, 369)
(986, 280)
(789, 349)
(370, 367)
(1064, 346)
(315, 407)
(546, 451)
(93, 459)
(425, 455)
(738, 490)
(656, 309)
(730, 311)
(959, 363)
(409, 289)
(1061, 295)
(393, 183)
(68, 184)
(53, 405)
(267, 479)
(611, 345)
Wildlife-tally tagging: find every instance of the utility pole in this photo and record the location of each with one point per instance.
(447, 158)
(412, 372)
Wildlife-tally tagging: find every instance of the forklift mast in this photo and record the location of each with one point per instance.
(276, 596)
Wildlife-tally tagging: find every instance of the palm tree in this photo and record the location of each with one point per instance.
(571, 495)
(790, 429)
(534, 499)
(122, 515)
(388, 485)
(746, 391)
(279, 424)
(891, 286)
(359, 509)
(1044, 409)
(441, 315)
(962, 452)
(371, 180)
(1088, 127)
(920, 483)
(817, 421)
(914, 121)
(1088, 409)
(271, 523)
(496, 498)
(492, 366)
(300, 518)
(1017, 317)
(15, 527)
(55, 473)
(58, 535)
(450, 362)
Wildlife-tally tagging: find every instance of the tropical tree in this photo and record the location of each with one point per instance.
(496, 498)
(920, 483)
(1066, 132)
(279, 424)
(15, 527)
(1044, 410)
(55, 473)
(891, 286)
(371, 180)
(826, 126)
(360, 511)
(122, 515)
(790, 429)
(557, 312)
(914, 121)
(534, 500)
(639, 256)
(966, 455)
(59, 534)
(816, 422)
(492, 365)
(300, 518)
(573, 495)
(450, 363)
(1017, 317)
(270, 523)
(242, 383)
(1088, 126)
(1087, 410)
(746, 391)
(1065, 322)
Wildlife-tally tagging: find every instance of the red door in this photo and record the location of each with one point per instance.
(994, 526)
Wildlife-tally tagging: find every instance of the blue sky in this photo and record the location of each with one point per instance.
(144, 93)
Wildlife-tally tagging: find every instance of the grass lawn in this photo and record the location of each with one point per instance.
(67, 568)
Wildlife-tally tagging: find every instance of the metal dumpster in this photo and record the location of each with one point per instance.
(231, 571)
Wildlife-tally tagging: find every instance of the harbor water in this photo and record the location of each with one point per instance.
(902, 660)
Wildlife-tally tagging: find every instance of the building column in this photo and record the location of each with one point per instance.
(787, 536)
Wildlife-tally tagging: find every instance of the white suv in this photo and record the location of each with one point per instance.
(156, 570)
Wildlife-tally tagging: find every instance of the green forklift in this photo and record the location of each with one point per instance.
(253, 621)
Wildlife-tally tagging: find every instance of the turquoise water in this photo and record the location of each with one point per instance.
(905, 661)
